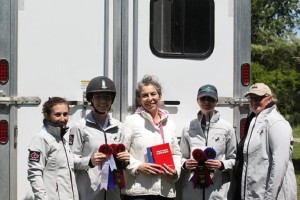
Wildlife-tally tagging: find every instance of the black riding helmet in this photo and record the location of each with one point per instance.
(100, 84)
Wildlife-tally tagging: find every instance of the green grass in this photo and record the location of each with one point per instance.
(296, 157)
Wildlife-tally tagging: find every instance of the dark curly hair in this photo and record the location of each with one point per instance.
(52, 101)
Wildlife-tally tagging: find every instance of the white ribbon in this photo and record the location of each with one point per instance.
(104, 175)
(110, 163)
(95, 175)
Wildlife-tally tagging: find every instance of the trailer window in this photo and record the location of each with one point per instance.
(182, 28)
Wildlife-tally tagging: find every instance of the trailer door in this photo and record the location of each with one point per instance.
(60, 48)
(186, 44)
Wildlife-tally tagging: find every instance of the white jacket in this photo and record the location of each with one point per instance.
(86, 136)
(221, 136)
(51, 167)
(139, 132)
(268, 171)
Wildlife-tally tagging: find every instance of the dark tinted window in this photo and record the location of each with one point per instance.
(182, 28)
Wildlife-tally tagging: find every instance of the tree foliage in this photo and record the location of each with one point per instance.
(274, 17)
(276, 52)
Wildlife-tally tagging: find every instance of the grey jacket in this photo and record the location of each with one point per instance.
(268, 171)
(51, 167)
(86, 136)
(220, 135)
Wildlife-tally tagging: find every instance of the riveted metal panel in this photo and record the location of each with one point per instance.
(8, 51)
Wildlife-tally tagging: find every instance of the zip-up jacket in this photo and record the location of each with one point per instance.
(268, 171)
(86, 136)
(140, 132)
(51, 167)
(218, 134)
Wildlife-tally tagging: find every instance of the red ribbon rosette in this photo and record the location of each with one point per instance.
(199, 155)
(118, 174)
(201, 176)
(105, 149)
(118, 148)
(113, 146)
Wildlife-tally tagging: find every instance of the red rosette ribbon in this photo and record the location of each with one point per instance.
(199, 155)
(118, 173)
(105, 149)
(201, 176)
(118, 148)
(113, 146)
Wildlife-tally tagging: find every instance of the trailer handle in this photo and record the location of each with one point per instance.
(171, 103)
(19, 101)
(232, 101)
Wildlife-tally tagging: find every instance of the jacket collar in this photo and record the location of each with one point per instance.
(111, 121)
(214, 117)
(164, 114)
(54, 130)
(263, 114)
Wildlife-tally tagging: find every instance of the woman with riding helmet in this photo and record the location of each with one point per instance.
(88, 134)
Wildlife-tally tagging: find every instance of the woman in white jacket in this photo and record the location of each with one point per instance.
(208, 130)
(147, 127)
(268, 171)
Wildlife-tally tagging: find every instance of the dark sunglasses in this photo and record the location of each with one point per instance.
(256, 98)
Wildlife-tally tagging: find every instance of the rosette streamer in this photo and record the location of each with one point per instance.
(112, 170)
(118, 173)
(201, 177)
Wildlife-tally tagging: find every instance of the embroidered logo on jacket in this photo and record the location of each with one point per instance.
(34, 156)
(71, 139)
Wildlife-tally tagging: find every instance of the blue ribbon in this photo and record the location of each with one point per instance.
(111, 183)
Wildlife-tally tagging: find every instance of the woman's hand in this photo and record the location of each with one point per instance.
(168, 171)
(124, 156)
(150, 168)
(98, 158)
(213, 164)
(190, 164)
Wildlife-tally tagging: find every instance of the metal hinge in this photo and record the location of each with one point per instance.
(19, 101)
